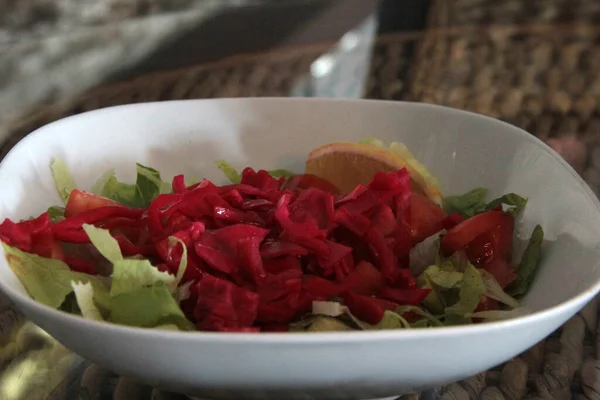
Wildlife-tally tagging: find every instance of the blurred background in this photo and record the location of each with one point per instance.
(533, 63)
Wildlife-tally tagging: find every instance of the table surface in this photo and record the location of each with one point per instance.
(360, 64)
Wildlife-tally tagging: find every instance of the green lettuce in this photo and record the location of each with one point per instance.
(512, 203)
(493, 290)
(103, 182)
(390, 320)
(84, 295)
(427, 319)
(441, 282)
(529, 264)
(470, 292)
(457, 287)
(499, 315)
(281, 173)
(47, 280)
(104, 243)
(230, 172)
(173, 241)
(147, 306)
(467, 204)
(56, 213)
(473, 203)
(147, 187)
(140, 294)
(62, 179)
(235, 177)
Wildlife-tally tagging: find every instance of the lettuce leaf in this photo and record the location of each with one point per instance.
(56, 213)
(47, 280)
(84, 294)
(102, 182)
(529, 264)
(457, 287)
(147, 306)
(104, 243)
(281, 173)
(470, 291)
(446, 279)
(140, 294)
(62, 179)
(235, 177)
(231, 173)
(512, 203)
(441, 282)
(493, 290)
(333, 309)
(129, 274)
(467, 204)
(132, 275)
(147, 187)
(124, 193)
(173, 241)
(391, 320)
(499, 315)
(427, 320)
(473, 203)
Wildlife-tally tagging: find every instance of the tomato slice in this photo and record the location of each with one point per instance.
(307, 181)
(320, 286)
(412, 297)
(80, 201)
(495, 243)
(501, 270)
(464, 233)
(365, 279)
(487, 304)
(385, 304)
(365, 308)
(426, 217)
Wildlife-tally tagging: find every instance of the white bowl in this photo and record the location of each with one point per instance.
(464, 150)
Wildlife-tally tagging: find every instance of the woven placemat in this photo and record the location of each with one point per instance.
(544, 79)
(483, 13)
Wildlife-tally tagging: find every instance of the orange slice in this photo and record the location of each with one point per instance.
(347, 165)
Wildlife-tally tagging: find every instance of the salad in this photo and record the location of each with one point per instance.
(362, 240)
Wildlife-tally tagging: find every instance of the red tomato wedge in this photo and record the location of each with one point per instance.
(307, 181)
(502, 271)
(426, 217)
(365, 308)
(493, 244)
(365, 279)
(386, 304)
(487, 304)
(464, 233)
(80, 201)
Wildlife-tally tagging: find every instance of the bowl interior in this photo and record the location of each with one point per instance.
(463, 150)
